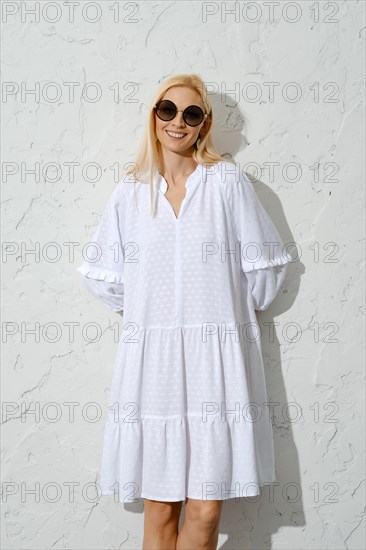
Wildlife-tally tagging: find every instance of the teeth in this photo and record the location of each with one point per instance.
(172, 134)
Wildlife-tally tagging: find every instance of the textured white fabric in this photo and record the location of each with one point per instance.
(110, 294)
(187, 409)
(265, 284)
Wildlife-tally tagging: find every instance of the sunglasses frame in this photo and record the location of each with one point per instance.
(179, 111)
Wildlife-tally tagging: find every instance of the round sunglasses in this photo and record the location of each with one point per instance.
(167, 110)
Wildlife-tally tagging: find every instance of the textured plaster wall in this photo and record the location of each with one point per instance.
(287, 86)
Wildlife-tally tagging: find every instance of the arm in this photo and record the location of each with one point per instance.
(103, 266)
(110, 294)
(265, 285)
(261, 244)
(264, 259)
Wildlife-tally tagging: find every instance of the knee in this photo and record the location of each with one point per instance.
(206, 515)
(161, 513)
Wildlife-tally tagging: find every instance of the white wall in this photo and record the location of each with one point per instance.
(315, 195)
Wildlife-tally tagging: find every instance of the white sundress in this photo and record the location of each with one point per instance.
(187, 415)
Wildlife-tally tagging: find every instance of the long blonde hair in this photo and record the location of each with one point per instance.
(147, 160)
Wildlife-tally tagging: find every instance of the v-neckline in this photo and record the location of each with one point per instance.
(192, 177)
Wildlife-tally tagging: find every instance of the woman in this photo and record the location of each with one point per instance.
(188, 253)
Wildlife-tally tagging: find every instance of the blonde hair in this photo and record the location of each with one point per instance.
(147, 158)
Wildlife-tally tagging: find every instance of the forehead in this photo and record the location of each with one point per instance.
(183, 96)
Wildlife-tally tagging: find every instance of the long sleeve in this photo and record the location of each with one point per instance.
(260, 243)
(263, 257)
(265, 284)
(110, 294)
(103, 258)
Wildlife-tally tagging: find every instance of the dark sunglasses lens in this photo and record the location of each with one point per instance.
(193, 116)
(166, 110)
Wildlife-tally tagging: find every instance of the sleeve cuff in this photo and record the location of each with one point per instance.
(101, 274)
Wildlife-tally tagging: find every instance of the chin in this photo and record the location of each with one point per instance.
(174, 144)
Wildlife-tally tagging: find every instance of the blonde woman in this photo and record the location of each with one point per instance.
(182, 249)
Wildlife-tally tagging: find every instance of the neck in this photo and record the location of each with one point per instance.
(175, 167)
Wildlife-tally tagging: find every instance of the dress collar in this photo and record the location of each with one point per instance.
(192, 178)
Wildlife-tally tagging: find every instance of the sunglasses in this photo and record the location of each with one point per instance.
(192, 115)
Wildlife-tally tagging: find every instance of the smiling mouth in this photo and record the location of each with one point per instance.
(175, 135)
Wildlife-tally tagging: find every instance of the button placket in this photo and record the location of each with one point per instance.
(163, 186)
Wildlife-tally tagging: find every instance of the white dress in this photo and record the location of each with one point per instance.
(187, 415)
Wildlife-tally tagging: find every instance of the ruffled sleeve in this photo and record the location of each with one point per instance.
(265, 284)
(103, 257)
(260, 243)
(264, 259)
(110, 294)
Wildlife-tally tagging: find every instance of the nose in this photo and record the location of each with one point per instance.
(178, 119)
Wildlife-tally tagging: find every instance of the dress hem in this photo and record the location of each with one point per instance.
(105, 492)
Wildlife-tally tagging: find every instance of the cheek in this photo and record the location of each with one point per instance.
(195, 136)
(159, 131)
(159, 124)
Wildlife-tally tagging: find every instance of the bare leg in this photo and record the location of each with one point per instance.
(160, 524)
(200, 529)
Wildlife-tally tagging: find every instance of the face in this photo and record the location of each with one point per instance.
(182, 97)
